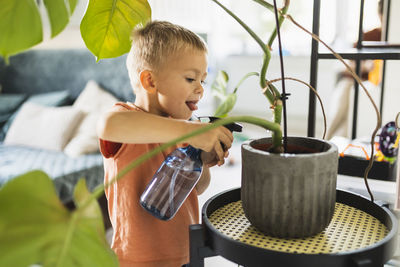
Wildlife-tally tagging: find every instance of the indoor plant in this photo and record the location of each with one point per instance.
(32, 218)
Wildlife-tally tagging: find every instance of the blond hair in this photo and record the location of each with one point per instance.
(153, 43)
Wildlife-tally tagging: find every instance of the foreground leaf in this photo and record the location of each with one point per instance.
(59, 14)
(107, 25)
(20, 26)
(35, 227)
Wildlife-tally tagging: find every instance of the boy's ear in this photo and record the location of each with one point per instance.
(147, 81)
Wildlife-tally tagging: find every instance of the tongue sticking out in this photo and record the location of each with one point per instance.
(192, 105)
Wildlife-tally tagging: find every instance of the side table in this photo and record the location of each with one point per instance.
(361, 233)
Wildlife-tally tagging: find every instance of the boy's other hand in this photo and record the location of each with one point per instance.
(211, 159)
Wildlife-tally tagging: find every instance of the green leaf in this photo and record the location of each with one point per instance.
(107, 25)
(35, 227)
(20, 26)
(58, 13)
(226, 106)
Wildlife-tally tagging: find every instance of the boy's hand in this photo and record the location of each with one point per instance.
(216, 141)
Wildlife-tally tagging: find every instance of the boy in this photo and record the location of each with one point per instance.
(167, 67)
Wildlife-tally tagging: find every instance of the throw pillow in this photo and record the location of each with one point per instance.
(52, 99)
(93, 100)
(43, 127)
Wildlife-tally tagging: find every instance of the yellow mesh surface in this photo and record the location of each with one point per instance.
(349, 229)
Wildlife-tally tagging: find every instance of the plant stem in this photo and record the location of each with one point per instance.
(278, 111)
(276, 143)
(275, 95)
(263, 72)
(277, 23)
(280, 20)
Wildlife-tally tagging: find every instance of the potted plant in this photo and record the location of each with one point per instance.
(288, 183)
(35, 226)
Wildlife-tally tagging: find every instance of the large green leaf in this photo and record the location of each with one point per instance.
(20, 26)
(35, 227)
(107, 25)
(59, 14)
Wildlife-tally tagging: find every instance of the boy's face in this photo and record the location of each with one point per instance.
(179, 83)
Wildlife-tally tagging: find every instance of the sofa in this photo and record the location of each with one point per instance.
(49, 103)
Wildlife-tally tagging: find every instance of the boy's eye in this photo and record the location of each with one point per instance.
(203, 82)
(190, 80)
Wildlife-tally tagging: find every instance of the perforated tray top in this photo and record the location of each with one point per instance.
(349, 229)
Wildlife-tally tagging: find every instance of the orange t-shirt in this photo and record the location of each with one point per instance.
(139, 238)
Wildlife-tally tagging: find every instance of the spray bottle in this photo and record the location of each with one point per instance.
(175, 179)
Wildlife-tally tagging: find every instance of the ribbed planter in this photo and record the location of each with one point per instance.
(289, 195)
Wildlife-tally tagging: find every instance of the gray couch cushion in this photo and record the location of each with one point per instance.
(39, 71)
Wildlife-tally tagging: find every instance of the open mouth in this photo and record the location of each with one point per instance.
(192, 105)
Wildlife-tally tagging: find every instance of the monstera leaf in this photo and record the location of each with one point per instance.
(107, 25)
(21, 25)
(35, 227)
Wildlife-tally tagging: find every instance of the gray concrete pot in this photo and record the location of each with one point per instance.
(289, 195)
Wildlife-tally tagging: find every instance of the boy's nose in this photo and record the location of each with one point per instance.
(199, 90)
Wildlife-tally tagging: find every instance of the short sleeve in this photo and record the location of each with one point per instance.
(108, 148)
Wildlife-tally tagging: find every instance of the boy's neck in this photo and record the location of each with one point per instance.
(142, 106)
(148, 104)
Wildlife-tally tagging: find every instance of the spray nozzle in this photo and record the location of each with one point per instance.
(233, 127)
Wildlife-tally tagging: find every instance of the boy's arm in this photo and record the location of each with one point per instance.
(139, 128)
